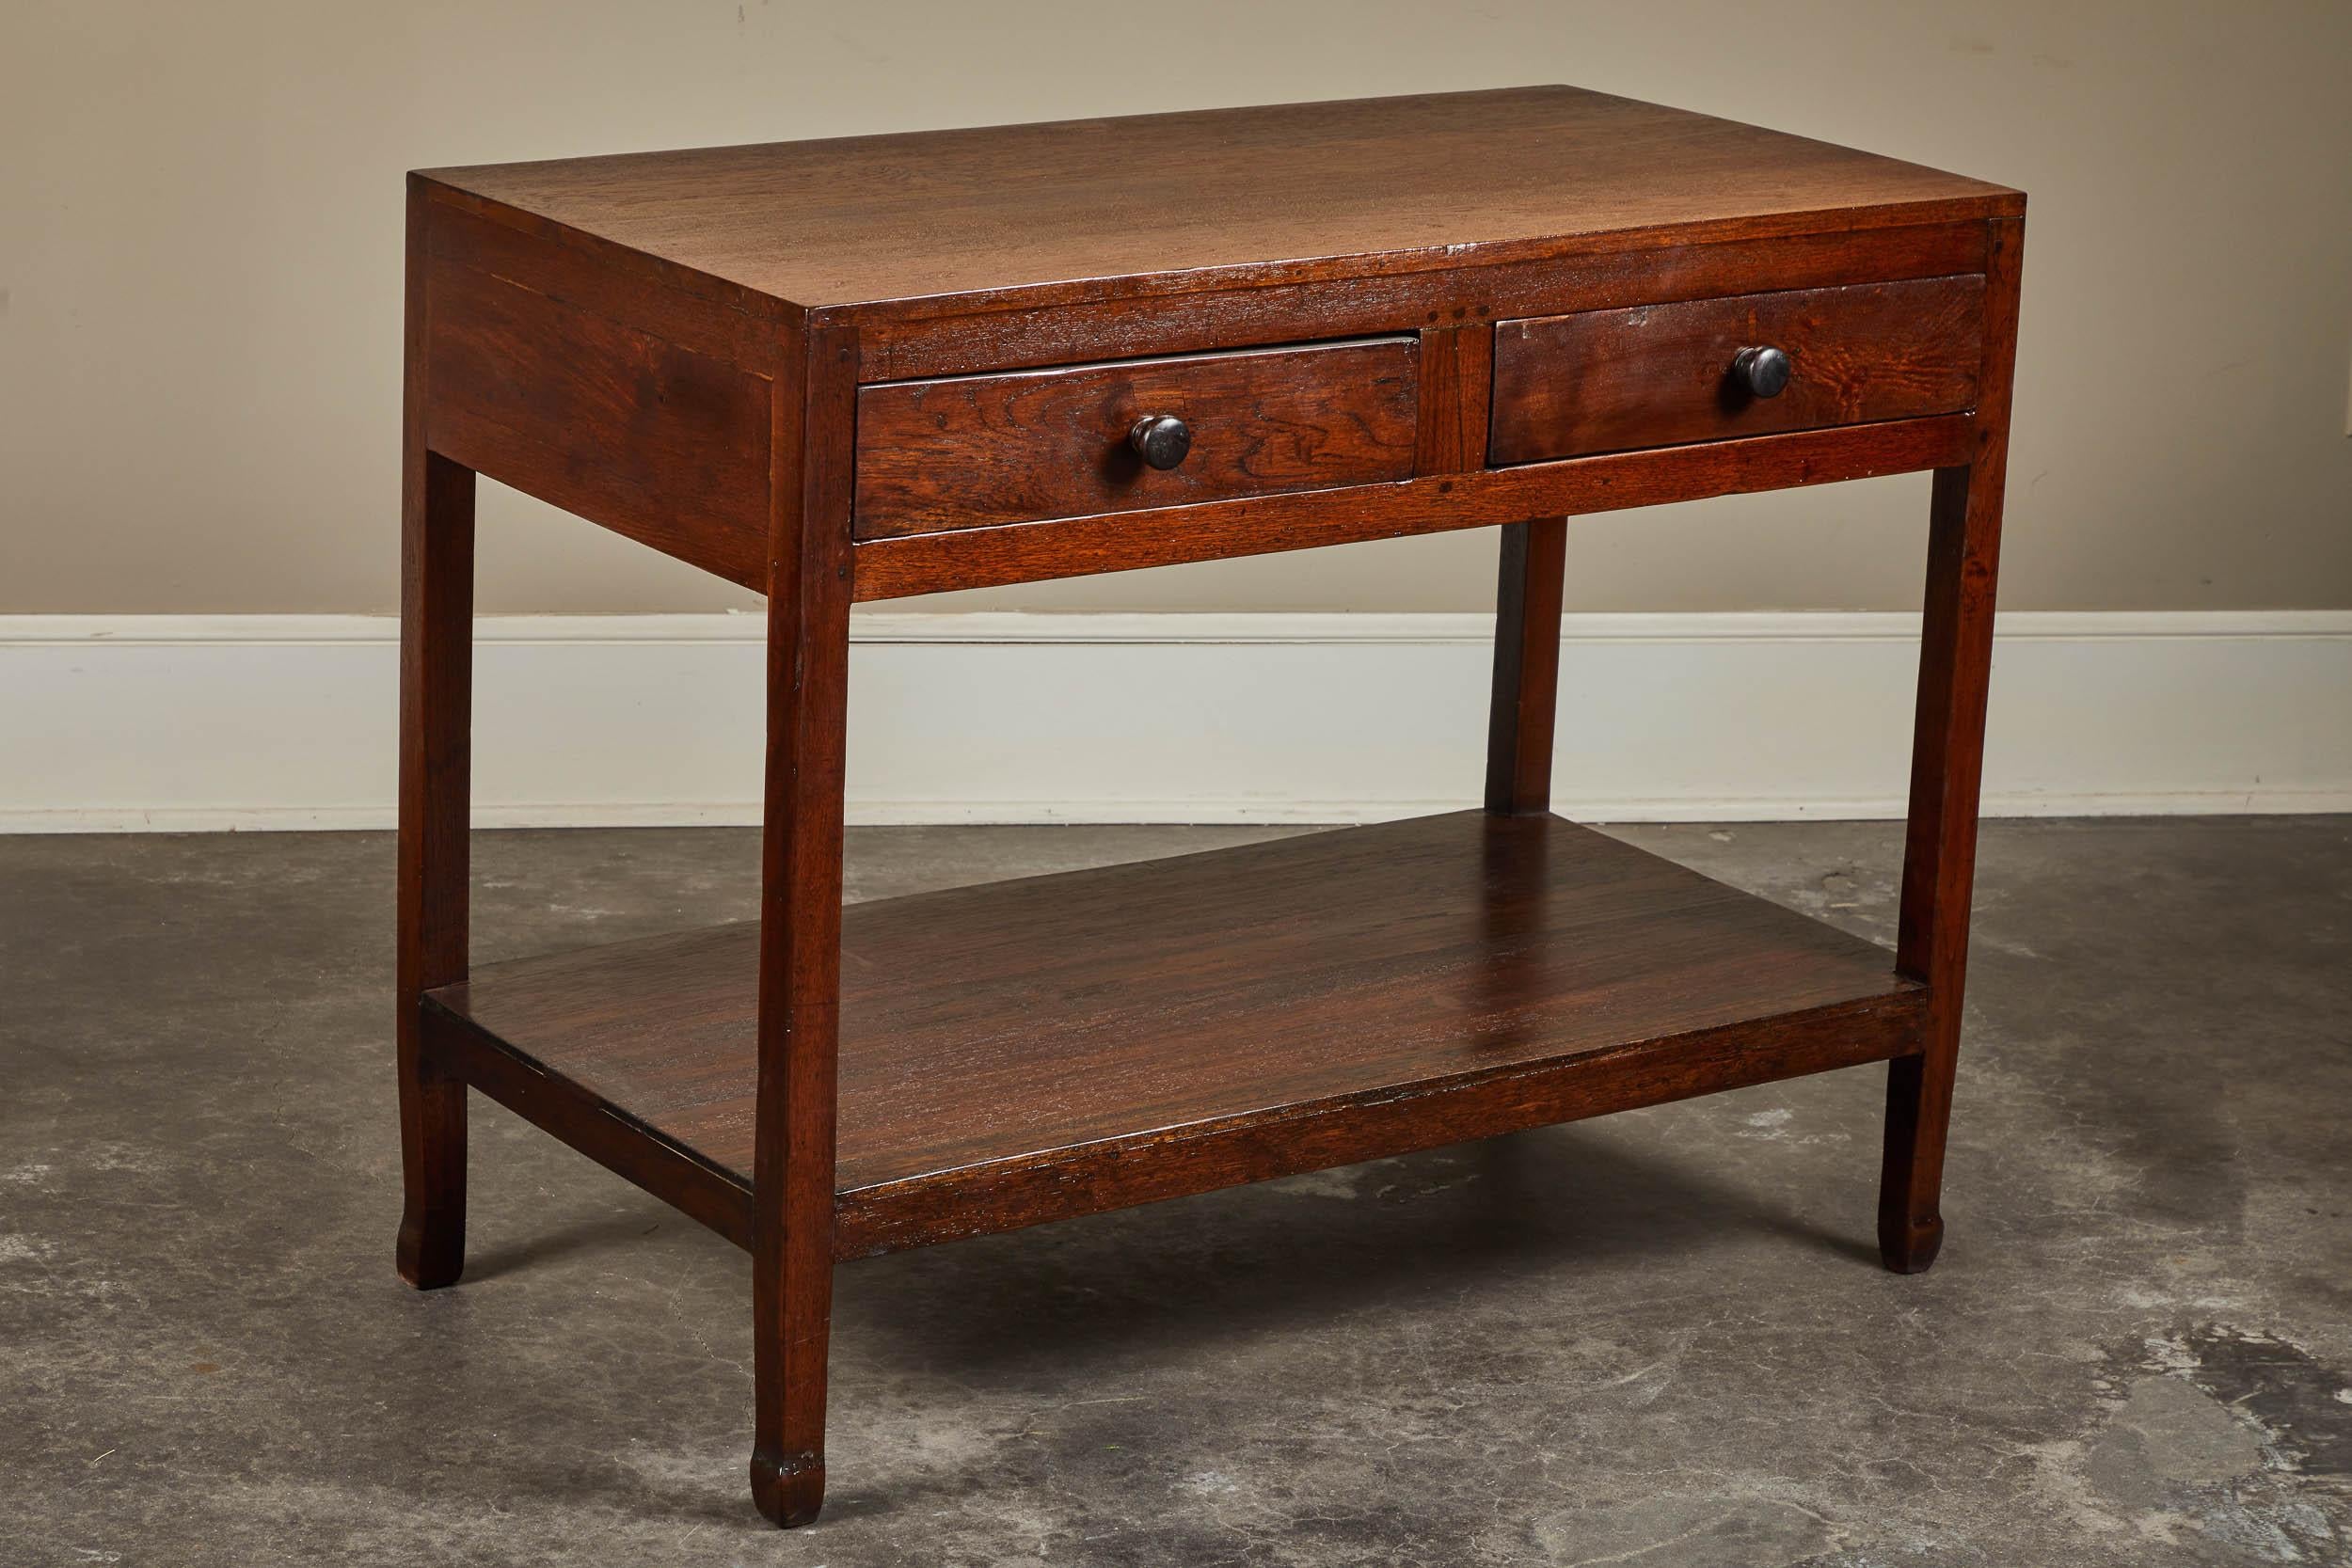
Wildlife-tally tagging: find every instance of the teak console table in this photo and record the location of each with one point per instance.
(857, 369)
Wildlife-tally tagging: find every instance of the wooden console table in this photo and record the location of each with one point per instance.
(857, 369)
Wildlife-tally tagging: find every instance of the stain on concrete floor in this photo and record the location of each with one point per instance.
(2228, 1442)
(1657, 1340)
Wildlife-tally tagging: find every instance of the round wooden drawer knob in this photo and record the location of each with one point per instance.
(1160, 439)
(1764, 372)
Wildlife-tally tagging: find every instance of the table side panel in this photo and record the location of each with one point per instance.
(541, 375)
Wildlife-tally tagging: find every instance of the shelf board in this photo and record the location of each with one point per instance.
(1029, 1050)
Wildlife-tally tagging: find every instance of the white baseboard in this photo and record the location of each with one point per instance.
(111, 723)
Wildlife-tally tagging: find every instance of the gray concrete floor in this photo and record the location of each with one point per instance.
(1658, 1339)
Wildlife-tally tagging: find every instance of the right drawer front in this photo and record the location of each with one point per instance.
(1661, 376)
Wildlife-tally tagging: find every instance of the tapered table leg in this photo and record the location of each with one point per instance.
(800, 975)
(436, 701)
(1526, 691)
(1946, 770)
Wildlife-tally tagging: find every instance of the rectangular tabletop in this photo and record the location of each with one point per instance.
(1210, 198)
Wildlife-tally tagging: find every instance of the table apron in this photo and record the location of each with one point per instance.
(908, 340)
(1434, 503)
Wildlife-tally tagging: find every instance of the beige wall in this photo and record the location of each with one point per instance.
(200, 259)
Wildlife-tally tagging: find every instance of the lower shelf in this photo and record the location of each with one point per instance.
(1026, 1051)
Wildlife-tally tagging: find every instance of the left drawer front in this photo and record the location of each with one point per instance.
(974, 451)
(1660, 375)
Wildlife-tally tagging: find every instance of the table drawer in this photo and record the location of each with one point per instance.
(971, 451)
(1661, 376)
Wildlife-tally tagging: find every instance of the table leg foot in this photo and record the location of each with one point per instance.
(431, 1251)
(1911, 1184)
(1911, 1248)
(789, 1490)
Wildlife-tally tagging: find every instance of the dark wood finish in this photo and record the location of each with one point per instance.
(1029, 552)
(1526, 689)
(1947, 767)
(722, 535)
(797, 1013)
(436, 726)
(660, 285)
(606, 1133)
(654, 440)
(1657, 375)
(1025, 216)
(1287, 1006)
(1456, 370)
(977, 450)
(709, 352)
(673, 305)
(916, 338)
